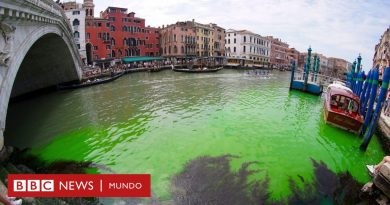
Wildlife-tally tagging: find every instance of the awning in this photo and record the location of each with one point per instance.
(141, 58)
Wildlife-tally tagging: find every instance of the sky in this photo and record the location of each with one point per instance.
(335, 28)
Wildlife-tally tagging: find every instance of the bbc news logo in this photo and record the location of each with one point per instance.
(79, 185)
(33, 185)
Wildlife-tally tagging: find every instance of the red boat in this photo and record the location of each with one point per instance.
(341, 108)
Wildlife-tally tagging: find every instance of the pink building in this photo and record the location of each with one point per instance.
(279, 50)
(178, 40)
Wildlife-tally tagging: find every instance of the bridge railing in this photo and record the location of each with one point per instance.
(320, 79)
(48, 5)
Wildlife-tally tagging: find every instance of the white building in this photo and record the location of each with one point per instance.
(248, 45)
(76, 15)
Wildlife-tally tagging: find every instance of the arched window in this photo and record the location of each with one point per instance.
(76, 22)
(182, 49)
(174, 49)
(124, 41)
(120, 52)
(132, 42)
(112, 28)
(113, 54)
(90, 12)
(126, 52)
(76, 34)
(112, 41)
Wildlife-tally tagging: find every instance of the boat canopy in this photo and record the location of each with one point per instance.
(141, 58)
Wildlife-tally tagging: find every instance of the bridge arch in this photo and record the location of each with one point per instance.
(44, 58)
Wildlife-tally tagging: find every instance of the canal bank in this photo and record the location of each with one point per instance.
(159, 123)
(383, 132)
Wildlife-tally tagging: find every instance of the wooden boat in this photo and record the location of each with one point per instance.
(341, 108)
(90, 83)
(197, 70)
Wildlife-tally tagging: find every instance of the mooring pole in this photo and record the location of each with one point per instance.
(378, 108)
(292, 73)
(360, 83)
(307, 67)
(366, 95)
(357, 70)
(314, 67)
(365, 85)
(353, 75)
(367, 117)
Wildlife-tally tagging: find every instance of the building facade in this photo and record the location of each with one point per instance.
(189, 39)
(178, 40)
(218, 49)
(338, 67)
(204, 39)
(76, 15)
(279, 56)
(293, 55)
(382, 51)
(248, 45)
(117, 34)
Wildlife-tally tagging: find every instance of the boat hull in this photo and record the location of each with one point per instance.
(81, 85)
(342, 121)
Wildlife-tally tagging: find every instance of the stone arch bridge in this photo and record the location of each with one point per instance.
(37, 50)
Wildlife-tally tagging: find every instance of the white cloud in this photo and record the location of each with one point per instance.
(332, 27)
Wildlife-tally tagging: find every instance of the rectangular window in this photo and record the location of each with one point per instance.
(95, 48)
(76, 12)
(234, 40)
(244, 49)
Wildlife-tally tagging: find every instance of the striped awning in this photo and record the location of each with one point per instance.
(141, 58)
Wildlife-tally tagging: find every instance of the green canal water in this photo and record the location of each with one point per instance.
(157, 122)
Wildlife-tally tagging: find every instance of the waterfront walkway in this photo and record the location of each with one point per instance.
(384, 131)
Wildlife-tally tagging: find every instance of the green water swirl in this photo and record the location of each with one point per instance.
(156, 122)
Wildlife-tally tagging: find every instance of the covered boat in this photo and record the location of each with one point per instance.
(341, 108)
